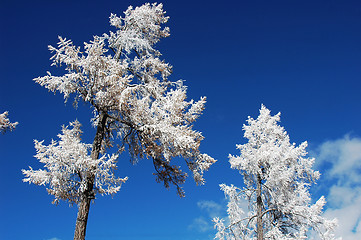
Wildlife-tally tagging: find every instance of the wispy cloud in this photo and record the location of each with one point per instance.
(201, 224)
(54, 238)
(340, 161)
(204, 223)
(344, 155)
(211, 207)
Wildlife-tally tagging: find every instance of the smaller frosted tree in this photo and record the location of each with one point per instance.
(5, 124)
(69, 165)
(277, 176)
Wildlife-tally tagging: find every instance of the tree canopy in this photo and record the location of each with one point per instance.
(122, 77)
(277, 176)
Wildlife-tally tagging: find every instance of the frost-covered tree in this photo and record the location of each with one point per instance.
(5, 124)
(277, 176)
(136, 107)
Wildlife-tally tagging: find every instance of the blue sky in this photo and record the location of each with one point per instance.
(302, 58)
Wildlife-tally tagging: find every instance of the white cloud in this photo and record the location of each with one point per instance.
(54, 238)
(213, 209)
(201, 224)
(348, 215)
(345, 157)
(204, 223)
(341, 163)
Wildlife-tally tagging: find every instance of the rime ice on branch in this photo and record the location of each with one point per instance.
(277, 176)
(5, 124)
(68, 166)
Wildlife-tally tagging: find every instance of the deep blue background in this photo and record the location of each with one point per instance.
(302, 58)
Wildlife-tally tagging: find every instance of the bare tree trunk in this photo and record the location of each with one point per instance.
(84, 205)
(82, 219)
(259, 208)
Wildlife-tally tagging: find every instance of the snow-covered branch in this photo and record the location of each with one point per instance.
(5, 124)
(68, 163)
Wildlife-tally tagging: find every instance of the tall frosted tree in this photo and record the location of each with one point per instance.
(136, 107)
(5, 124)
(277, 176)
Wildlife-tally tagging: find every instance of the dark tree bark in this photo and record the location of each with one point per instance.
(82, 219)
(259, 208)
(84, 205)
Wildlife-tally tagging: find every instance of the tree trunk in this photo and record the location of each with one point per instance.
(84, 205)
(259, 208)
(82, 219)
